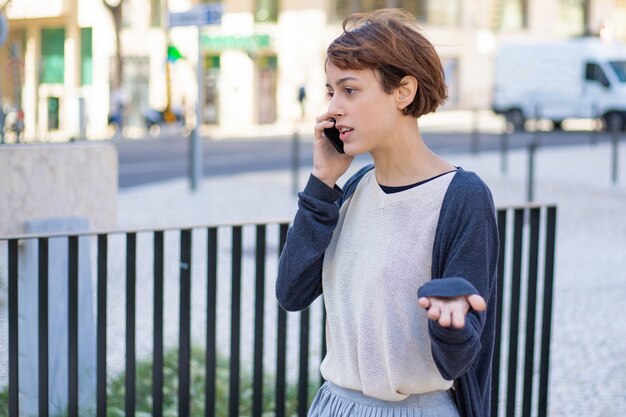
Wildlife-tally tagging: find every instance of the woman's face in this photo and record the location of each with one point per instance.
(365, 114)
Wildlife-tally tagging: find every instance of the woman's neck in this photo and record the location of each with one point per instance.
(406, 159)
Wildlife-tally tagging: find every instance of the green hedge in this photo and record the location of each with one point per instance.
(115, 389)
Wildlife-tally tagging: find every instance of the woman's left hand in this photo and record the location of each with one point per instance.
(451, 311)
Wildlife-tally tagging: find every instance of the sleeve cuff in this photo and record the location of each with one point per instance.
(317, 189)
(447, 287)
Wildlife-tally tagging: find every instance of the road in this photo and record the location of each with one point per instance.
(144, 161)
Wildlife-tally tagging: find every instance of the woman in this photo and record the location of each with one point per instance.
(406, 253)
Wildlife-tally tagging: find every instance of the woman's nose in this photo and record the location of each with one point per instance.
(334, 107)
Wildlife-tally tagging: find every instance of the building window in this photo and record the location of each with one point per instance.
(619, 15)
(511, 14)
(443, 12)
(155, 13)
(343, 8)
(434, 12)
(267, 75)
(571, 18)
(53, 113)
(128, 13)
(266, 10)
(211, 93)
(86, 56)
(52, 56)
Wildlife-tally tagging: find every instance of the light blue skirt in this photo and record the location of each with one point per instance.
(334, 401)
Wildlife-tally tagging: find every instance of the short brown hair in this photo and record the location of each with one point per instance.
(389, 42)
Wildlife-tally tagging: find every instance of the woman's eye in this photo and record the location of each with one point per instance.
(349, 90)
(329, 94)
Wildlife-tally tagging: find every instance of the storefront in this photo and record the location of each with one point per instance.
(60, 57)
(260, 85)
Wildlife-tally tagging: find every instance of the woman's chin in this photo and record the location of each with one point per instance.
(352, 150)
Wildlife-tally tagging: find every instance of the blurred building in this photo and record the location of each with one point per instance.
(59, 62)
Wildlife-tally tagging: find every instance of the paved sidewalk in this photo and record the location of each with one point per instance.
(588, 362)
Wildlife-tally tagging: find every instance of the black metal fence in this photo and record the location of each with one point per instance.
(527, 237)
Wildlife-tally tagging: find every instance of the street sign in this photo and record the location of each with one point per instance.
(198, 16)
(4, 29)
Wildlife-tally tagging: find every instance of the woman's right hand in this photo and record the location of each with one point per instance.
(328, 164)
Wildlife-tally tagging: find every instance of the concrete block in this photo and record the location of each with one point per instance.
(58, 180)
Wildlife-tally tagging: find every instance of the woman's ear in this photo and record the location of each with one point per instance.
(406, 92)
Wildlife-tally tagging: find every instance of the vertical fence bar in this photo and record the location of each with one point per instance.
(514, 310)
(281, 363)
(323, 337)
(131, 277)
(303, 380)
(184, 352)
(281, 340)
(72, 325)
(211, 323)
(531, 309)
(14, 409)
(157, 337)
(259, 319)
(101, 345)
(43, 326)
(495, 370)
(547, 311)
(235, 324)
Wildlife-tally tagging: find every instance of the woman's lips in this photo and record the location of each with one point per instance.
(344, 131)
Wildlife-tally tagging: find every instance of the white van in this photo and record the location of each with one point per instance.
(577, 78)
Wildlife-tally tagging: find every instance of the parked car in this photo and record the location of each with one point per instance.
(577, 78)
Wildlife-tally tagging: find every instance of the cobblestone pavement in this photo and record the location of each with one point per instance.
(588, 358)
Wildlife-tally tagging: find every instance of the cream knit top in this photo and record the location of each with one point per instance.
(380, 254)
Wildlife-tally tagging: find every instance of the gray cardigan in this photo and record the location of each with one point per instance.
(464, 262)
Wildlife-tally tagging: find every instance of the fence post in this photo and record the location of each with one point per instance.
(594, 131)
(295, 162)
(474, 137)
(504, 148)
(532, 147)
(530, 184)
(615, 125)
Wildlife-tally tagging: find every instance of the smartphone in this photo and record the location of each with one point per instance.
(332, 134)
